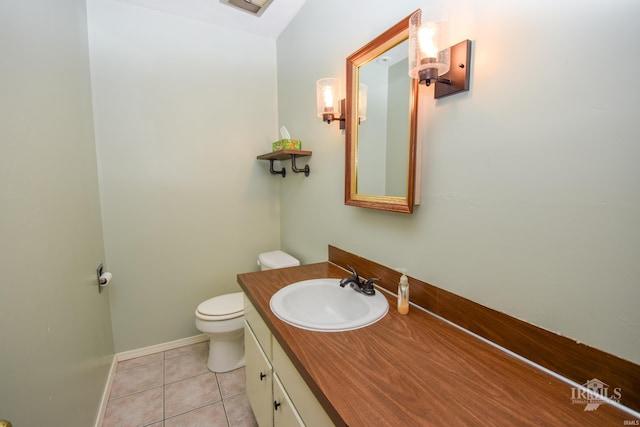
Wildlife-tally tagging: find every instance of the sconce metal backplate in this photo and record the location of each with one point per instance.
(459, 73)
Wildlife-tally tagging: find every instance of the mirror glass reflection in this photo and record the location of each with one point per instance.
(383, 136)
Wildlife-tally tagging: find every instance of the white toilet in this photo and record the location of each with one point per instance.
(222, 319)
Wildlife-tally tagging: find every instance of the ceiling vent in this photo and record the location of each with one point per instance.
(254, 7)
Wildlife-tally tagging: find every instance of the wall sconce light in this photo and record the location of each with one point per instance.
(328, 106)
(430, 54)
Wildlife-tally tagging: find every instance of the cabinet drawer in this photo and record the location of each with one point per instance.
(305, 402)
(259, 328)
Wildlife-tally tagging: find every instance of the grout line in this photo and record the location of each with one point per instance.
(112, 399)
(224, 407)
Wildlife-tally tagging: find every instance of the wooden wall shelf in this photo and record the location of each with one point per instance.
(283, 155)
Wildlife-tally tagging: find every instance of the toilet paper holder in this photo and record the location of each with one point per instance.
(103, 278)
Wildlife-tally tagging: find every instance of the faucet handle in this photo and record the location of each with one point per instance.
(371, 282)
(355, 273)
(351, 280)
(368, 289)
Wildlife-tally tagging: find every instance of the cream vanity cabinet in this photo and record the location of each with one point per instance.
(277, 393)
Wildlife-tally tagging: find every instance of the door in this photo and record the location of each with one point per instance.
(56, 337)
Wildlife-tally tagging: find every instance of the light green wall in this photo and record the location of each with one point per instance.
(182, 109)
(530, 200)
(56, 343)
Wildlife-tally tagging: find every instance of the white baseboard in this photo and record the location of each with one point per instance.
(105, 394)
(145, 351)
(132, 354)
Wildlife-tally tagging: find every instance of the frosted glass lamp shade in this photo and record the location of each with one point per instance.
(362, 102)
(429, 49)
(328, 98)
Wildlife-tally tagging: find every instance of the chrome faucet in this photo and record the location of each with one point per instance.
(358, 285)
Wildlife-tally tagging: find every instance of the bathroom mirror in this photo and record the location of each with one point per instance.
(380, 164)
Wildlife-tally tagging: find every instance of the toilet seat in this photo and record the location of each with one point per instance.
(223, 307)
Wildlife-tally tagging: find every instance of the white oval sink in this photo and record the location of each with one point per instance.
(322, 305)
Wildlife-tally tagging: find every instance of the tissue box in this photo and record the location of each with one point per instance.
(286, 144)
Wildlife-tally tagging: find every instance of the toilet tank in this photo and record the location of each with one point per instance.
(276, 259)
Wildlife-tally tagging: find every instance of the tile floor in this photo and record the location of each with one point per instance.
(175, 389)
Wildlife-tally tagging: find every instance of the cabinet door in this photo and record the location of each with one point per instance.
(284, 413)
(306, 403)
(259, 379)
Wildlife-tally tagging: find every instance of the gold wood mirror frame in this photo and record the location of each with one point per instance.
(372, 50)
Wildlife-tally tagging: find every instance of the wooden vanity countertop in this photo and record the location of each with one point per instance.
(417, 369)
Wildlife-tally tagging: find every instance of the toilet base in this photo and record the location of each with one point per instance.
(226, 352)
(226, 342)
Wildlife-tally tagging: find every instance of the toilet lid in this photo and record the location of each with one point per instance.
(223, 305)
(277, 259)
